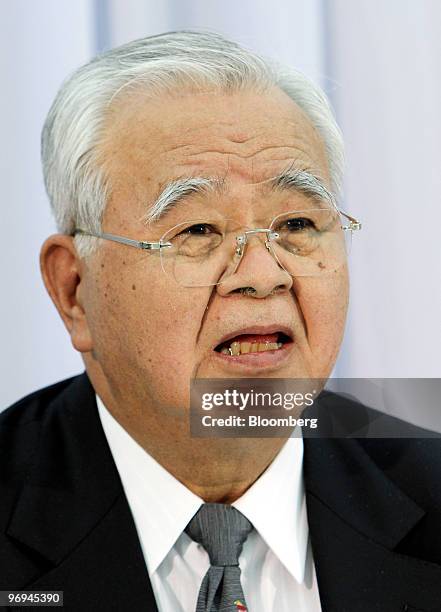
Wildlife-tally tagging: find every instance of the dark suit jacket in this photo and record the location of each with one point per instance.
(374, 510)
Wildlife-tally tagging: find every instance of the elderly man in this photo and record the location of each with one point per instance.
(194, 187)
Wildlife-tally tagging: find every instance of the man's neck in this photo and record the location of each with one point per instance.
(215, 469)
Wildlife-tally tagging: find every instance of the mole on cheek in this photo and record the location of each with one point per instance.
(133, 287)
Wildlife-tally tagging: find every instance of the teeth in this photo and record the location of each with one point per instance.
(235, 348)
(273, 346)
(242, 348)
(245, 347)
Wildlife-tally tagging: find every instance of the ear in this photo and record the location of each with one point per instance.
(62, 272)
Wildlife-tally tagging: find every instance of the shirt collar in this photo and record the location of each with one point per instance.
(161, 506)
(275, 504)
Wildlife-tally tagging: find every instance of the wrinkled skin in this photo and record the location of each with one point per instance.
(142, 336)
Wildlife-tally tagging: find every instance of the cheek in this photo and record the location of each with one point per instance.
(324, 305)
(167, 333)
(144, 323)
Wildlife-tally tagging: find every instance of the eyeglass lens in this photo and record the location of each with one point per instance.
(205, 252)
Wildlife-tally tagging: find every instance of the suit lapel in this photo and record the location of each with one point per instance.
(357, 516)
(72, 512)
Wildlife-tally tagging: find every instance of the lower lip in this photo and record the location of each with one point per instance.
(263, 360)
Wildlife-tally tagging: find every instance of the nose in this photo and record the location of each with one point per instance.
(258, 273)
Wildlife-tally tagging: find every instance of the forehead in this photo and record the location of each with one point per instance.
(243, 137)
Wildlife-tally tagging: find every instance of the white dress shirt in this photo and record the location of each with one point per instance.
(277, 569)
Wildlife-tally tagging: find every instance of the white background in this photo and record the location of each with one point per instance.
(378, 60)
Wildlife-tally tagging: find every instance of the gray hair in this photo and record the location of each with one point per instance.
(75, 183)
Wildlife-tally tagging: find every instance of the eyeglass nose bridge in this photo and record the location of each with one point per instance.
(242, 240)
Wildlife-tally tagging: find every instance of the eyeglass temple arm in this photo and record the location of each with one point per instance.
(139, 244)
(354, 225)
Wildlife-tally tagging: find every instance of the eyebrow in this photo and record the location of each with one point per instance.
(176, 191)
(304, 182)
(179, 189)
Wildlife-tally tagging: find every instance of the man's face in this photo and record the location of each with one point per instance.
(150, 335)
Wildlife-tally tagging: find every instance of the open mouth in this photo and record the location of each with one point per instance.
(253, 344)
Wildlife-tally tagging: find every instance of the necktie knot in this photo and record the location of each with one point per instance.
(222, 531)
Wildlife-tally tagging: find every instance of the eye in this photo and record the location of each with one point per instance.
(199, 229)
(299, 223)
